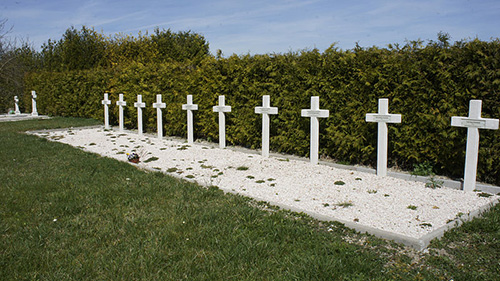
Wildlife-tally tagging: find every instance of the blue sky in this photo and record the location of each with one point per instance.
(258, 26)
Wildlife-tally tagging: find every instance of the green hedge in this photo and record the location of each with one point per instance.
(426, 84)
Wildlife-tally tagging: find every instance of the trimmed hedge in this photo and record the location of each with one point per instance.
(426, 84)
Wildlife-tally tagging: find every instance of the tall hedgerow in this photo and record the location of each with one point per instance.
(426, 83)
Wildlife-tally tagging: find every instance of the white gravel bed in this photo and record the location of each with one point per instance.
(395, 205)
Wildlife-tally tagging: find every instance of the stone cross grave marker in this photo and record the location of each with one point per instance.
(140, 105)
(382, 118)
(106, 102)
(314, 113)
(473, 123)
(16, 101)
(265, 110)
(159, 117)
(33, 104)
(121, 103)
(221, 108)
(189, 107)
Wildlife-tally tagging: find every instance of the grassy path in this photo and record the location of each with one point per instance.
(70, 215)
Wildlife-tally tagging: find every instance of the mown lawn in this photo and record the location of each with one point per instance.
(70, 215)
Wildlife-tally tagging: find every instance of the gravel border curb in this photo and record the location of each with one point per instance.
(21, 117)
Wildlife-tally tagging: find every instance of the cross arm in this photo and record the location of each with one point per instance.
(321, 113)
(189, 107)
(222, 108)
(266, 110)
(386, 118)
(480, 123)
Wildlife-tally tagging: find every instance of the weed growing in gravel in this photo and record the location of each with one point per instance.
(372, 191)
(412, 207)
(339, 183)
(242, 168)
(250, 177)
(484, 194)
(434, 183)
(345, 204)
(260, 181)
(151, 159)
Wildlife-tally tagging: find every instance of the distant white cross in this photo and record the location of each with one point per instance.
(16, 101)
(314, 113)
(121, 103)
(265, 110)
(159, 105)
(139, 104)
(34, 112)
(189, 107)
(473, 123)
(106, 103)
(382, 118)
(221, 108)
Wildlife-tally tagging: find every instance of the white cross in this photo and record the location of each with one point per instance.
(106, 103)
(473, 123)
(221, 108)
(382, 118)
(190, 107)
(33, 104)
(159, 105)
(265, 110)
(314, 113)
(121, 103)
(139, 104)
(16, 101)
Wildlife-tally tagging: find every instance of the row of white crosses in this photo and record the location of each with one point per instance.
(34, 112)
(473, 122)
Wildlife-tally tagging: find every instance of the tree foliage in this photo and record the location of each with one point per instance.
(14, 63)
(87, 49)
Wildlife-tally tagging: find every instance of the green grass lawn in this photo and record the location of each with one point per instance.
(70, 215)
